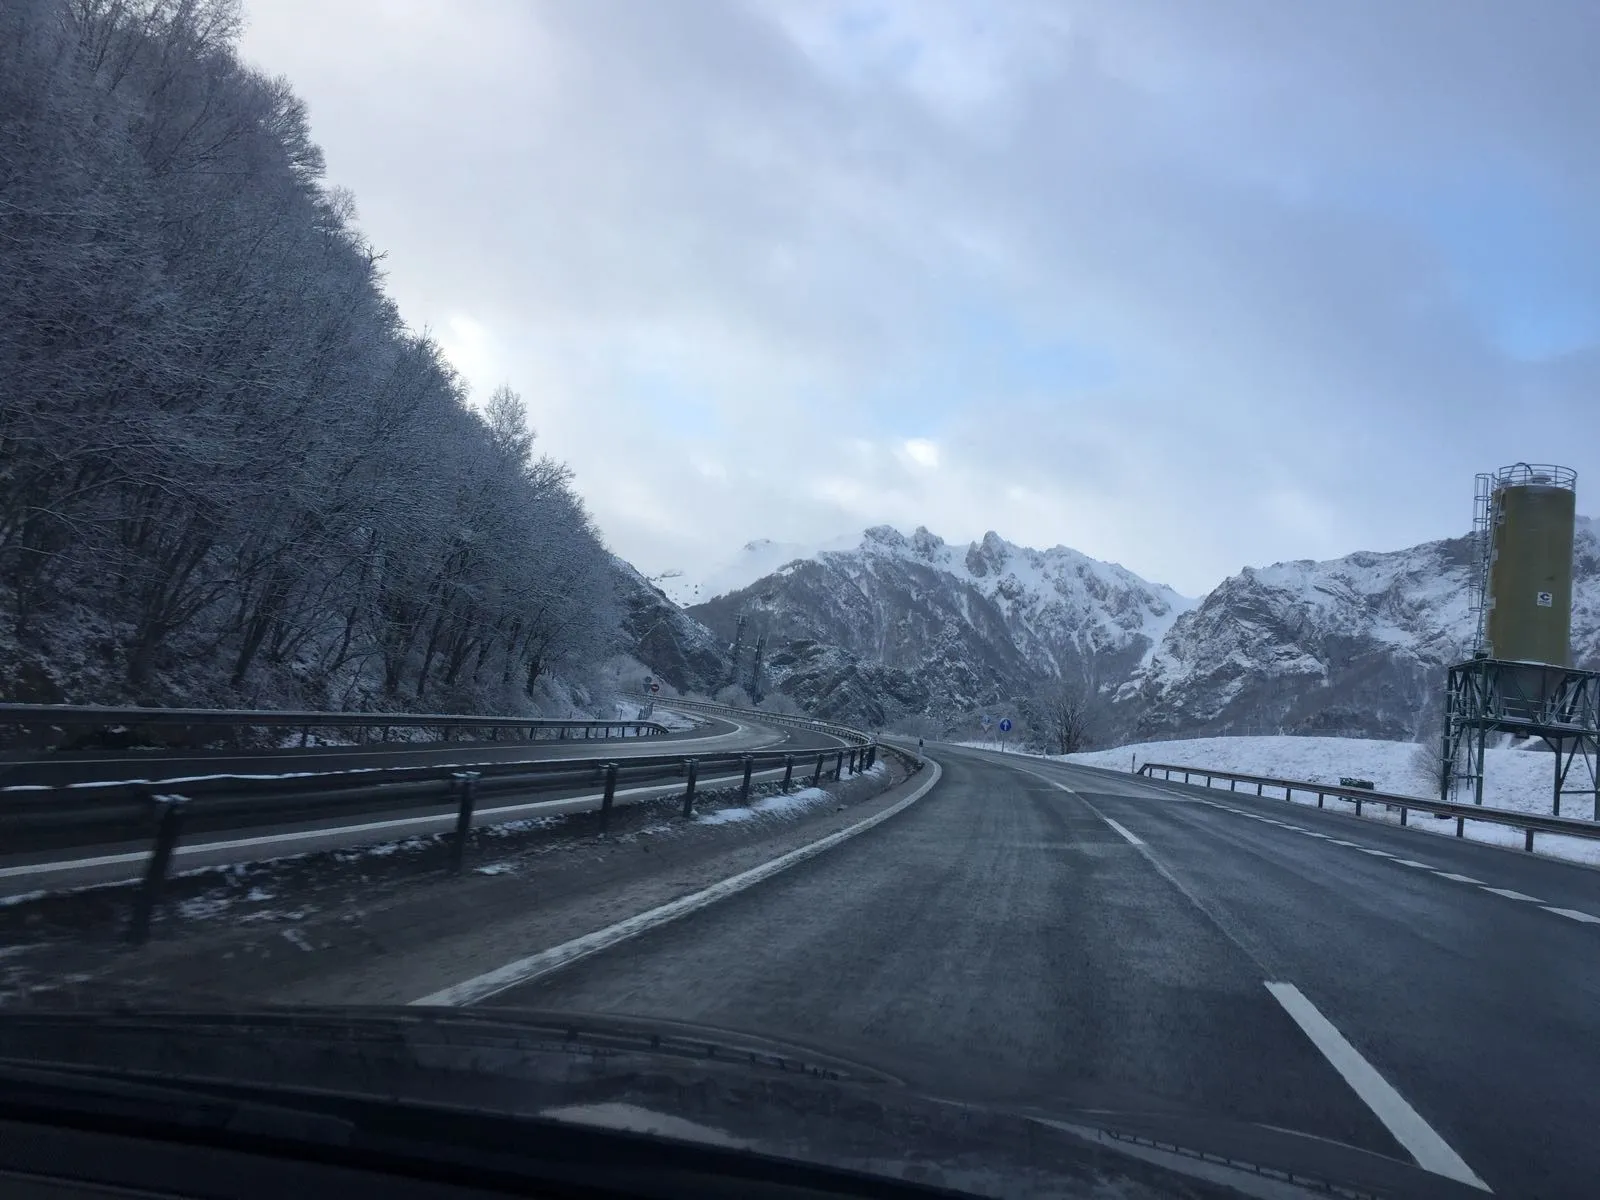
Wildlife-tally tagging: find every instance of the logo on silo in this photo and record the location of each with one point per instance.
(1545, 600)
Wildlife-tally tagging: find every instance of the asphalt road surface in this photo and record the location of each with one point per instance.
(27, 871)
(1034, 933)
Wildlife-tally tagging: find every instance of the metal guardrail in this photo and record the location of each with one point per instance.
(83, 815)
(107, 718)
(1529, 823)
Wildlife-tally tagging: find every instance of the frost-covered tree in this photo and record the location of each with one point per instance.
(222, 453)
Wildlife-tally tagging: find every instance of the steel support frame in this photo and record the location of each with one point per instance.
(1558, 705)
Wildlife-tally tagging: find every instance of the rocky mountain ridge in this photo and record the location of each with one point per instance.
(906, 624)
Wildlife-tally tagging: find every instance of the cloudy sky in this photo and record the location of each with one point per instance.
(1186, 286)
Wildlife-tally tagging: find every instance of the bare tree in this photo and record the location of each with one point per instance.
(1066, 714)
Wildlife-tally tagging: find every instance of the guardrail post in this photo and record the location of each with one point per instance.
(1358, 806)
(1258, 789)
(611, 792)
(561, 734)
(693, 765)
(169, 809)
(853, 753)
(1319, 799)
(744, 790)
(1402, 814)
(1233, 785)
(1527, 840)
(464, 784)
(788, 771)
(838, 765)
(1461, 826)
(817, 778)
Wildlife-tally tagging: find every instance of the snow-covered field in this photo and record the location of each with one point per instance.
(1514, 778)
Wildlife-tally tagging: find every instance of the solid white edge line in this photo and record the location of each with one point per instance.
(1571, 914)
(1131, 839)
(443, 820)
(1431, 1152)
(525, 970)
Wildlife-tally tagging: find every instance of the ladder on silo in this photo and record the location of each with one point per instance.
(1482, 543)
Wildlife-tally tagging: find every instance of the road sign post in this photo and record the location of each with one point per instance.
(1005, 728)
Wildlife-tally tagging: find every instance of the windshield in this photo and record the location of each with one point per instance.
(1028, 556)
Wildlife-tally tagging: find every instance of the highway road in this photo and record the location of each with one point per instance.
(24, 871)
(1031, 933)
(54, 770)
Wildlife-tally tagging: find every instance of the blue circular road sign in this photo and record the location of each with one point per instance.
(1005, 724)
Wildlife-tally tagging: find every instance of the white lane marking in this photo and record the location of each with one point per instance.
(1131, 839)
(1459, 878)
(1342, 842)
(1431, 1152)
(1572, 914)
(442, 820)
(1409, 862)
(1511, 895)
(534, 966)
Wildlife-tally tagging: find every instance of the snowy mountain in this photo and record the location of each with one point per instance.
(755, 560)
(897, 625)
(1355, 645)
(675, 646)
(935, 628)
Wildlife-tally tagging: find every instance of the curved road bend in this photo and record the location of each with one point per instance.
(1036, 933)
(25, 872)
(57, 769)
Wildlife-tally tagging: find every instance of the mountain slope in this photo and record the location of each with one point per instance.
(1355, 645)
(957, 627)
(903, 625)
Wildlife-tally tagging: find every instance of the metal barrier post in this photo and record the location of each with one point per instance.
(688, 793)
(169, 809)
(1402, 814)
(1461, 826)
(744, 790)
(817, 778)
(464, 783)
(788, 771)
(838, 765)
(1527, 840)
(611, 791)
(1358, 806)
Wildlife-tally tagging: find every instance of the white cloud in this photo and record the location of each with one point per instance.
(1181, 275)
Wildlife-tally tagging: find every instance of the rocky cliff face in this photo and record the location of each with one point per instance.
(664, 638)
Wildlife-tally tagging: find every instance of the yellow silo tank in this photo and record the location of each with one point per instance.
(1533, 512)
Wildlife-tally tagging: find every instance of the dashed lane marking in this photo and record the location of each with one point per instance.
(1572, 914)
(1455, 877)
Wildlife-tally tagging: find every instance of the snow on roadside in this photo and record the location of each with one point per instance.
(770, 806)
(1514, 778)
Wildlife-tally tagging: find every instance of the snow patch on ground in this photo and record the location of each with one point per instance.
(770, 806)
